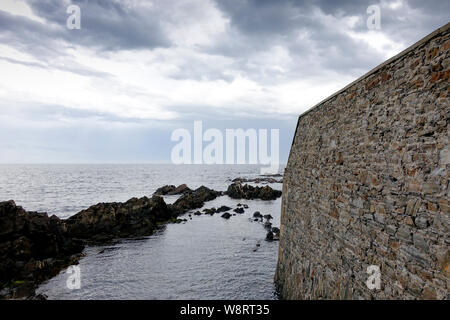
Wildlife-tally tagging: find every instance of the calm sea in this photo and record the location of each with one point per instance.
(207, 257)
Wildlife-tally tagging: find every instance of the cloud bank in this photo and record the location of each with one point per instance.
(114, 89)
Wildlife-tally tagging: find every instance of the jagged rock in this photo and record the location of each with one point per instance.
(226, 215)
(239, 210)
(268, 225)
(105, 221)
(194, 199)
(276, 231)
(172, 190)
(164, 190)
(269, 236)
(210, 211)
(223, 209)
(33, 248)
(263, 180)
(239, 191)
(181, 189)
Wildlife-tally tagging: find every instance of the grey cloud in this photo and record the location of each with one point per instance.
(105, 24)
(69, 67)
(259, 25)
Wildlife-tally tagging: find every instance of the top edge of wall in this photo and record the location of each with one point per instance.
(398, 56)
(380, 66)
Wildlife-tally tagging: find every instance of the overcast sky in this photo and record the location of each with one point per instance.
(114, 90)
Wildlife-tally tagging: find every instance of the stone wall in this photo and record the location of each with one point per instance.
(367, 184)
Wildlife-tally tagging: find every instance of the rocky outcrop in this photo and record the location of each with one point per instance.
(239, 210)
(194, 199)
(107, 221)
(262, 180)
(238, 191)
(257, 214)
(33, 248)
(172, 190)
(226, 215)
(223, 209)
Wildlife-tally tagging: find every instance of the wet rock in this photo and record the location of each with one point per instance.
(268, 216)
(257, 214)
(245, 206)
(194, 199)
(181, 189)
(226, 215)
(210, 211)
(223, 209)
(239, 191)
(172, 190)
(105, 221)
(273, 234)
(33, 248)
(197, 213)
(239, 210)
(268, 225)
(276, 231)
(263, 180)
(164, 190)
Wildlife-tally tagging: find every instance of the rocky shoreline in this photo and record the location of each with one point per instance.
(35, 247)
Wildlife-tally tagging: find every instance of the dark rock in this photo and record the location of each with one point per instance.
(105, 221)
(239, 191)
(210, 211)
(172, 190)
(239, 210)
(223, 209)
(269, 236)
(276, 231)
(257, 214)
(268, 216)
(194, 199)
(226, 215)
(268, 225)
(181, 189)
(164, 190)
(263, 180)
(33, 248)
(245, 206)
(197, 213)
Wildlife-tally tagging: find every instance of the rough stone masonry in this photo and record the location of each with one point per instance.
(367, 183)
